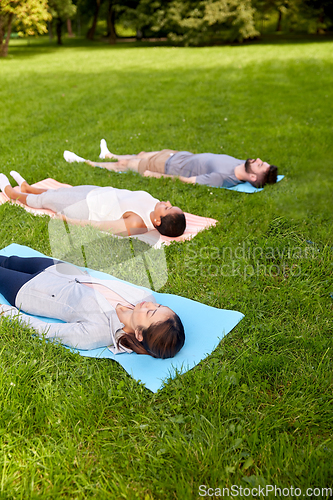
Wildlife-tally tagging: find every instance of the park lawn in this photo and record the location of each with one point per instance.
(258, 410)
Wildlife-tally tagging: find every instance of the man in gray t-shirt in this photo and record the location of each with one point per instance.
(207, 168)
(210, 169)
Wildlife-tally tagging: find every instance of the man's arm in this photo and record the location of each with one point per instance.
(189, 180)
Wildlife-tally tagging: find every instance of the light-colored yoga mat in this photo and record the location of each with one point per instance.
(194, 223)
(204, 327)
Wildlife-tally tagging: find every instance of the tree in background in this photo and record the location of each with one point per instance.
(108, 10)
(195, 22)
(93, 6)
(61, 10)
(289, 10)
(94, 9)
(320, 12)
(189, 22)
(233, 18)
(29, 17)
(111, 19)
(311, 16)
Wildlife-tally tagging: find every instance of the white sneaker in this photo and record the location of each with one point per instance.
(72, 157)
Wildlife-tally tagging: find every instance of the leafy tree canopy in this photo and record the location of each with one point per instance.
(195, 21)
(29, 17)
(63, 9)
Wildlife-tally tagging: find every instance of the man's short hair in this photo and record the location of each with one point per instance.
(172, 225)
(269, 177)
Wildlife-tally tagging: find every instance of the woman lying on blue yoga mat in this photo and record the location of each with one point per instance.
(97, 313)
(120, 211)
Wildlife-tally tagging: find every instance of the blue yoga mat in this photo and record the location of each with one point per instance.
(204, 327)
(246, 187)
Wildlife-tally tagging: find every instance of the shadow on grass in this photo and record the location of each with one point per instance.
(24, 48)
(31, 47)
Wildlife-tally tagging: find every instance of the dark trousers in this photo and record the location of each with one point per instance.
(16, 271)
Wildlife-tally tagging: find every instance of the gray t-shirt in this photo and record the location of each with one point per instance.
(208, 168)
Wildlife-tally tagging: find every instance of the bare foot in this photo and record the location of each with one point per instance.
(28, 189)
(109, 155)
(25, 187)
(91, 163)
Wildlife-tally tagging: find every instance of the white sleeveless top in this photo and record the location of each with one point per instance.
(108, 203)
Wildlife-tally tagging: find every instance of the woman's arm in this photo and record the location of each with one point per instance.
(122, 227)
(81, 335)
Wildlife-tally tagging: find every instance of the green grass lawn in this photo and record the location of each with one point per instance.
(258, 411)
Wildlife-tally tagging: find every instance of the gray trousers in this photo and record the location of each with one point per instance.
(68, 201)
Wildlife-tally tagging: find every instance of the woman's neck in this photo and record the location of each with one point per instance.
(124, 314)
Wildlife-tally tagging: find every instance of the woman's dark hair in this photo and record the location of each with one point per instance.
(172, 225)
(160, 340)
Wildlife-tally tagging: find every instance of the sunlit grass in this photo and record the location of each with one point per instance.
(259, 409)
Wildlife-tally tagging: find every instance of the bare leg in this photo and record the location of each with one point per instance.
(14, 195)
(125, 162)
(105, 153)
(118, 166)
(118, 157)
(115, 166)
(26, 188)
(141, 155)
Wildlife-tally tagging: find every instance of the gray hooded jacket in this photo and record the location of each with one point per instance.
(90, 320)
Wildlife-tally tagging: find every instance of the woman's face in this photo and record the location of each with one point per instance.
(163, 208)
(146, 314)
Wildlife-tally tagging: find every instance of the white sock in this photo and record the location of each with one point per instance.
(4, 182)
(72, 157)
(17, 177)
(104, 149)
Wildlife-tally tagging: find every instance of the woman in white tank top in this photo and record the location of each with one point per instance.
(120, 211)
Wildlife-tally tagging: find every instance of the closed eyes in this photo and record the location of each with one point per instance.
(154, 311)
